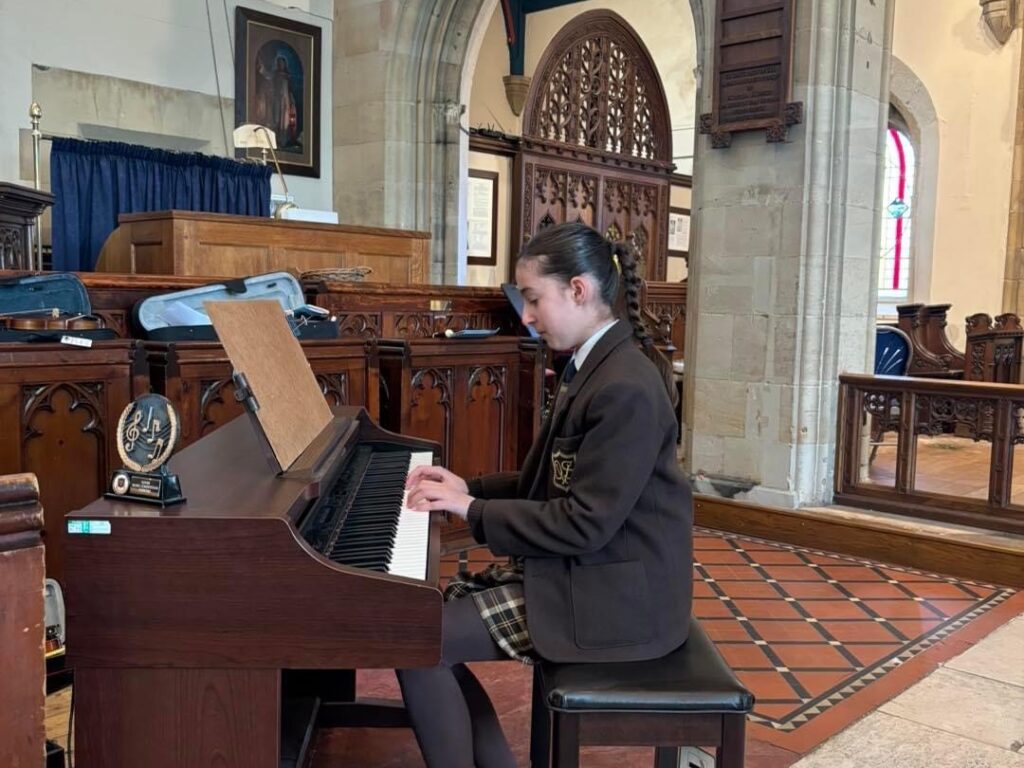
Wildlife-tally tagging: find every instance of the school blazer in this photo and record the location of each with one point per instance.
(601, 514)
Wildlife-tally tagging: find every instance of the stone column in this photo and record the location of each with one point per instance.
(781, 293)
(397, 75)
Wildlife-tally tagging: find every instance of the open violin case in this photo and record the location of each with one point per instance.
(43, 308)
(180, 316)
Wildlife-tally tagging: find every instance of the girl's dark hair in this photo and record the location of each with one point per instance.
(568, 250)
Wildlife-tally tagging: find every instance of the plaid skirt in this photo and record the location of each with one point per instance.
(498, 594)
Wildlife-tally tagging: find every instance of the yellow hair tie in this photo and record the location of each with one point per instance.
(615, 261)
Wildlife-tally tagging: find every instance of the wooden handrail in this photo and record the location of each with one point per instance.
(912, 406)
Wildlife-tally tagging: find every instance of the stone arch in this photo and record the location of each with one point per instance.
(911, 99)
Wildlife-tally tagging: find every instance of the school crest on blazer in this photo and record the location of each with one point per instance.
(562, 465)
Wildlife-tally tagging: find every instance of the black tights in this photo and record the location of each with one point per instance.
(453, 719)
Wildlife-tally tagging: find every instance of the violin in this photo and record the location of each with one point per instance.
(49, 320)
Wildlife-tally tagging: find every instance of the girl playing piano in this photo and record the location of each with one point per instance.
(597, 524)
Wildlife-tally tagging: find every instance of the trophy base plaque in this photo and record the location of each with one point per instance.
(160, 488)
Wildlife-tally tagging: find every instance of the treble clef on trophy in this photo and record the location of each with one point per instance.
(132, 431)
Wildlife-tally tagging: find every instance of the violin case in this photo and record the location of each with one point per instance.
(180, 316)
(31, 296)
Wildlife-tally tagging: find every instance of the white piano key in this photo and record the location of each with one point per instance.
(412, 539)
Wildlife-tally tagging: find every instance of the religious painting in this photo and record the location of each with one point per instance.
(277, 84)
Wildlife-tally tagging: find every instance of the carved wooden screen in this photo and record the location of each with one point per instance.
(597, 143)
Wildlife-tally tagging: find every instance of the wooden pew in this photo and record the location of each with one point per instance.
(994, 348)
(22, 669)
(933, 354)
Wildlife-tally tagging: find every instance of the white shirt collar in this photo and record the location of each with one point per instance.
(580, 356)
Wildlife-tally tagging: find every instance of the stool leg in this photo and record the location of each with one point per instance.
(566, 742)
(666, 757)
(730, 753)
(540, 725)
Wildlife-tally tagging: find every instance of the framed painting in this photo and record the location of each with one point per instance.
(277, 84)
(482, 213)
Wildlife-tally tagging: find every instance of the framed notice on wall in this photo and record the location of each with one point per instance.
(679, 232)
(482, 215)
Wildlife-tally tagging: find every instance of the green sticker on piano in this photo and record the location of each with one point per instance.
(94, 527)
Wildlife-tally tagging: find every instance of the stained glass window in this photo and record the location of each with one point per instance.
(897, 227)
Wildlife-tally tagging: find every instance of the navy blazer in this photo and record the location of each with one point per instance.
(601, 513)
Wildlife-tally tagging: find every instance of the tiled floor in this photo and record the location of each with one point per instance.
(821, 638)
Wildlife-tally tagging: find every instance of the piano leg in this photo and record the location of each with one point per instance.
(177, 718)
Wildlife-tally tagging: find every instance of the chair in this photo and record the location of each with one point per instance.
(688, 698)
(893, 353)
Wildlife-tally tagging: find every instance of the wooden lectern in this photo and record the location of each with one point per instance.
(194, 243)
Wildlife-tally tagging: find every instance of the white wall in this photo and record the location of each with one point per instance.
(498, 274)
(972, 81)
(160, 42)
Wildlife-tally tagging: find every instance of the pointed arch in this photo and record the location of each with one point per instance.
(596, 86)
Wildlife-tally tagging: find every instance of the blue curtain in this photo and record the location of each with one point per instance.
(95, 181)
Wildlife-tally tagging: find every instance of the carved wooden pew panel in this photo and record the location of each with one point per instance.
(59, 408)
(480, 399)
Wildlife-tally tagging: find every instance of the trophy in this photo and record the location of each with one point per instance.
(147, 434)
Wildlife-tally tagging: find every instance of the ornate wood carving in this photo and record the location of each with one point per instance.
(597, 87)
(753, 71)
(335, 387)
(359, 325)
(431, 404)
(597, 140)
(58, 407)
(19, 207)
(994, 348)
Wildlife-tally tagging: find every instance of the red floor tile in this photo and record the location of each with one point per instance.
(735, 589)
(850, 573)
(791, 572)
(799, 631)
(870, 654)
(767, 684)
(901, 609)
(804, 590)
(835, 609)
(711, 608)
(730, 572)
(724, 629)
(952, 607)
(858, 631)
(877, 589)
(720, 557)
(811, 656)
(767, 609)
(744, 655)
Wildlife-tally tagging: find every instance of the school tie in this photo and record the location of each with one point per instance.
(570, 372)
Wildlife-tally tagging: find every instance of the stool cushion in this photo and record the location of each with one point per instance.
(692, 678)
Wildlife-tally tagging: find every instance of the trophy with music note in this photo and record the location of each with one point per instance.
(147, 434)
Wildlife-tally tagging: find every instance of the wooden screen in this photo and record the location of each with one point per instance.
(597, 143)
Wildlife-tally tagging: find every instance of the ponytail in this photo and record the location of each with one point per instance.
(624, 258)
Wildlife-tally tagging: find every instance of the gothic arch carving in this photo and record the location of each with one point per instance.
(596, 86)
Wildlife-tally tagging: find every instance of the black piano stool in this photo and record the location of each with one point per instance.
(688, 698)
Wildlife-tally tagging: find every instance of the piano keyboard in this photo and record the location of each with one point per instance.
(373, 528)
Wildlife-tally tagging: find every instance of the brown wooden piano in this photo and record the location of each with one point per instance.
(222, 631)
